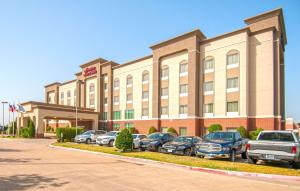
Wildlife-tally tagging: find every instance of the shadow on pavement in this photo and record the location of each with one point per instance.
(9, 150)
(17, 160)
(26, 181)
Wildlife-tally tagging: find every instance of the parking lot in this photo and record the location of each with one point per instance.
(28, 164)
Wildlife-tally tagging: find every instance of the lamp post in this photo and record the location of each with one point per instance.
(3, 103)
(76, 106)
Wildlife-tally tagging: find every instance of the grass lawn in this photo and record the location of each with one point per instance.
(222, 164)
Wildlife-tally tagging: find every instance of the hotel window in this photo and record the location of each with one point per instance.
(164, 93)
(165, 73)
(145, 77)
(183, 109)
(129, 125)
(232, 84)
(105, 87)
(164, 110)
(208, 65)
(129, 114)
(116, 100)
(145, 95)
(145, 111)
(117, 115)
(49, 99)
(62, 98)
(233, 59)
(116, 126)
(129, 81)
(208, 108)
(105, 101)
(68, 97)
(116, 83)
(208, 87)
(183, 90)
(129, 98)
(92, 95)
(232, 106)
(183, 69)
(182, 131)
(104, 116)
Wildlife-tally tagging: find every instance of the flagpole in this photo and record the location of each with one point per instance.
(8, 133)
(13, 123)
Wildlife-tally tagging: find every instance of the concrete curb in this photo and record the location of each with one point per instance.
(199, 169)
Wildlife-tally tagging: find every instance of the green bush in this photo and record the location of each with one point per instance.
(214, 128)
(68, 133)
(172, 130)
(253, 134)
(152, 130)
(242, 131)
(29, 131)
(124, 140)
(24, 132)
(132, 130)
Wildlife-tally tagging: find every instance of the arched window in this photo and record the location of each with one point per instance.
(92, 95)
(129, 80)
(116, 83)
(183, 68)
(164, 72)
(208, 64)
(233, 59)
(145, 77)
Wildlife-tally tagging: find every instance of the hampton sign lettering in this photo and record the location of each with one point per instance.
(90, 71)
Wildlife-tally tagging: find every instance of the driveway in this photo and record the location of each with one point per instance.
(27, 164)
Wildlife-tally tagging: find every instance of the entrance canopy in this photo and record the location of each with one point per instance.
(39, 112)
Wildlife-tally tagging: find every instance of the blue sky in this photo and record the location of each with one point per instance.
(46, 41)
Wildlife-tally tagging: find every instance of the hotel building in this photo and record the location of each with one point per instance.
(188, 82)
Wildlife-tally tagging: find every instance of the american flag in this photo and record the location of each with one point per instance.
(12, 108)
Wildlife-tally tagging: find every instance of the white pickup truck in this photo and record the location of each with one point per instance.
(275, 146)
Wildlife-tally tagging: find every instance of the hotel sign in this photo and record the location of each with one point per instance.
(90, 71)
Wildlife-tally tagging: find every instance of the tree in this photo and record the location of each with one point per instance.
(172, 130)
(242, 131)
(152, 130)
(214, 128)
(31, 129)
(124, 140)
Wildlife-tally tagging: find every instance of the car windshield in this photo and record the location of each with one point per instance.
(87, 133)
(276, 136)
(112, 133)
(183, 139)
(155, 135)
(220, 136)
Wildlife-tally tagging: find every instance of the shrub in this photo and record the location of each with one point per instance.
(214, 128)
(172, 130)
(152, 130)
(242, 131)
(24, 132)
(253, 134)
(48, 129)
(132, 130)
(124, 140)
(31, 129)
(67, 133)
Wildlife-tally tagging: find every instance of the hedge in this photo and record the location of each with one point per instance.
(172, 130)
(29, 131)
(124, 140)
(253, 134)
(242, 131)
(68, 133)
(214, 128)
(152, 130)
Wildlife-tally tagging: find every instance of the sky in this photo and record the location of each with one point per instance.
(45, 41)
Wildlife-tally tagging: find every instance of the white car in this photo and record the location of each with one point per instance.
(136, 140)
(108, 138)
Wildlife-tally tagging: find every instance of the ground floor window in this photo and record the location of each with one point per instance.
(129, 114)
(117, 115)
(231, 129)
(164, 129)
(129, 125)
(182, 131)
(116, 126)
(103, 126)
(104, 116)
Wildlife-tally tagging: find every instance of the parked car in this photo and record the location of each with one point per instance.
(275, 146)
(182, 145)
(108, 138)
(88, 136)
(222, 144)
(155, 141)
(136, 140)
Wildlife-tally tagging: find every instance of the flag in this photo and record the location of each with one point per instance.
(12, 108)
(20, 108)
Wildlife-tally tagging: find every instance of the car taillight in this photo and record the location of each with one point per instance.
(248, 146)
(294, 149)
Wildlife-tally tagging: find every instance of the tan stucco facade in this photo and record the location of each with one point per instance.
(241, 85)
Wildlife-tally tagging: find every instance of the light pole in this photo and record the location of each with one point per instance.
(3, 103)
(76, 107)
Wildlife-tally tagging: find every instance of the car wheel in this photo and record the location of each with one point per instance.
(244, 155)
(187, 152)
(111, 143)
(159, 148)
(232, 156)
(141, 149)
(88, 141)
(296, 165)
(251, 160)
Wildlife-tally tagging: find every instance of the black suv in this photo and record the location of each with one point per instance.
(183, 145)
(155, 141)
